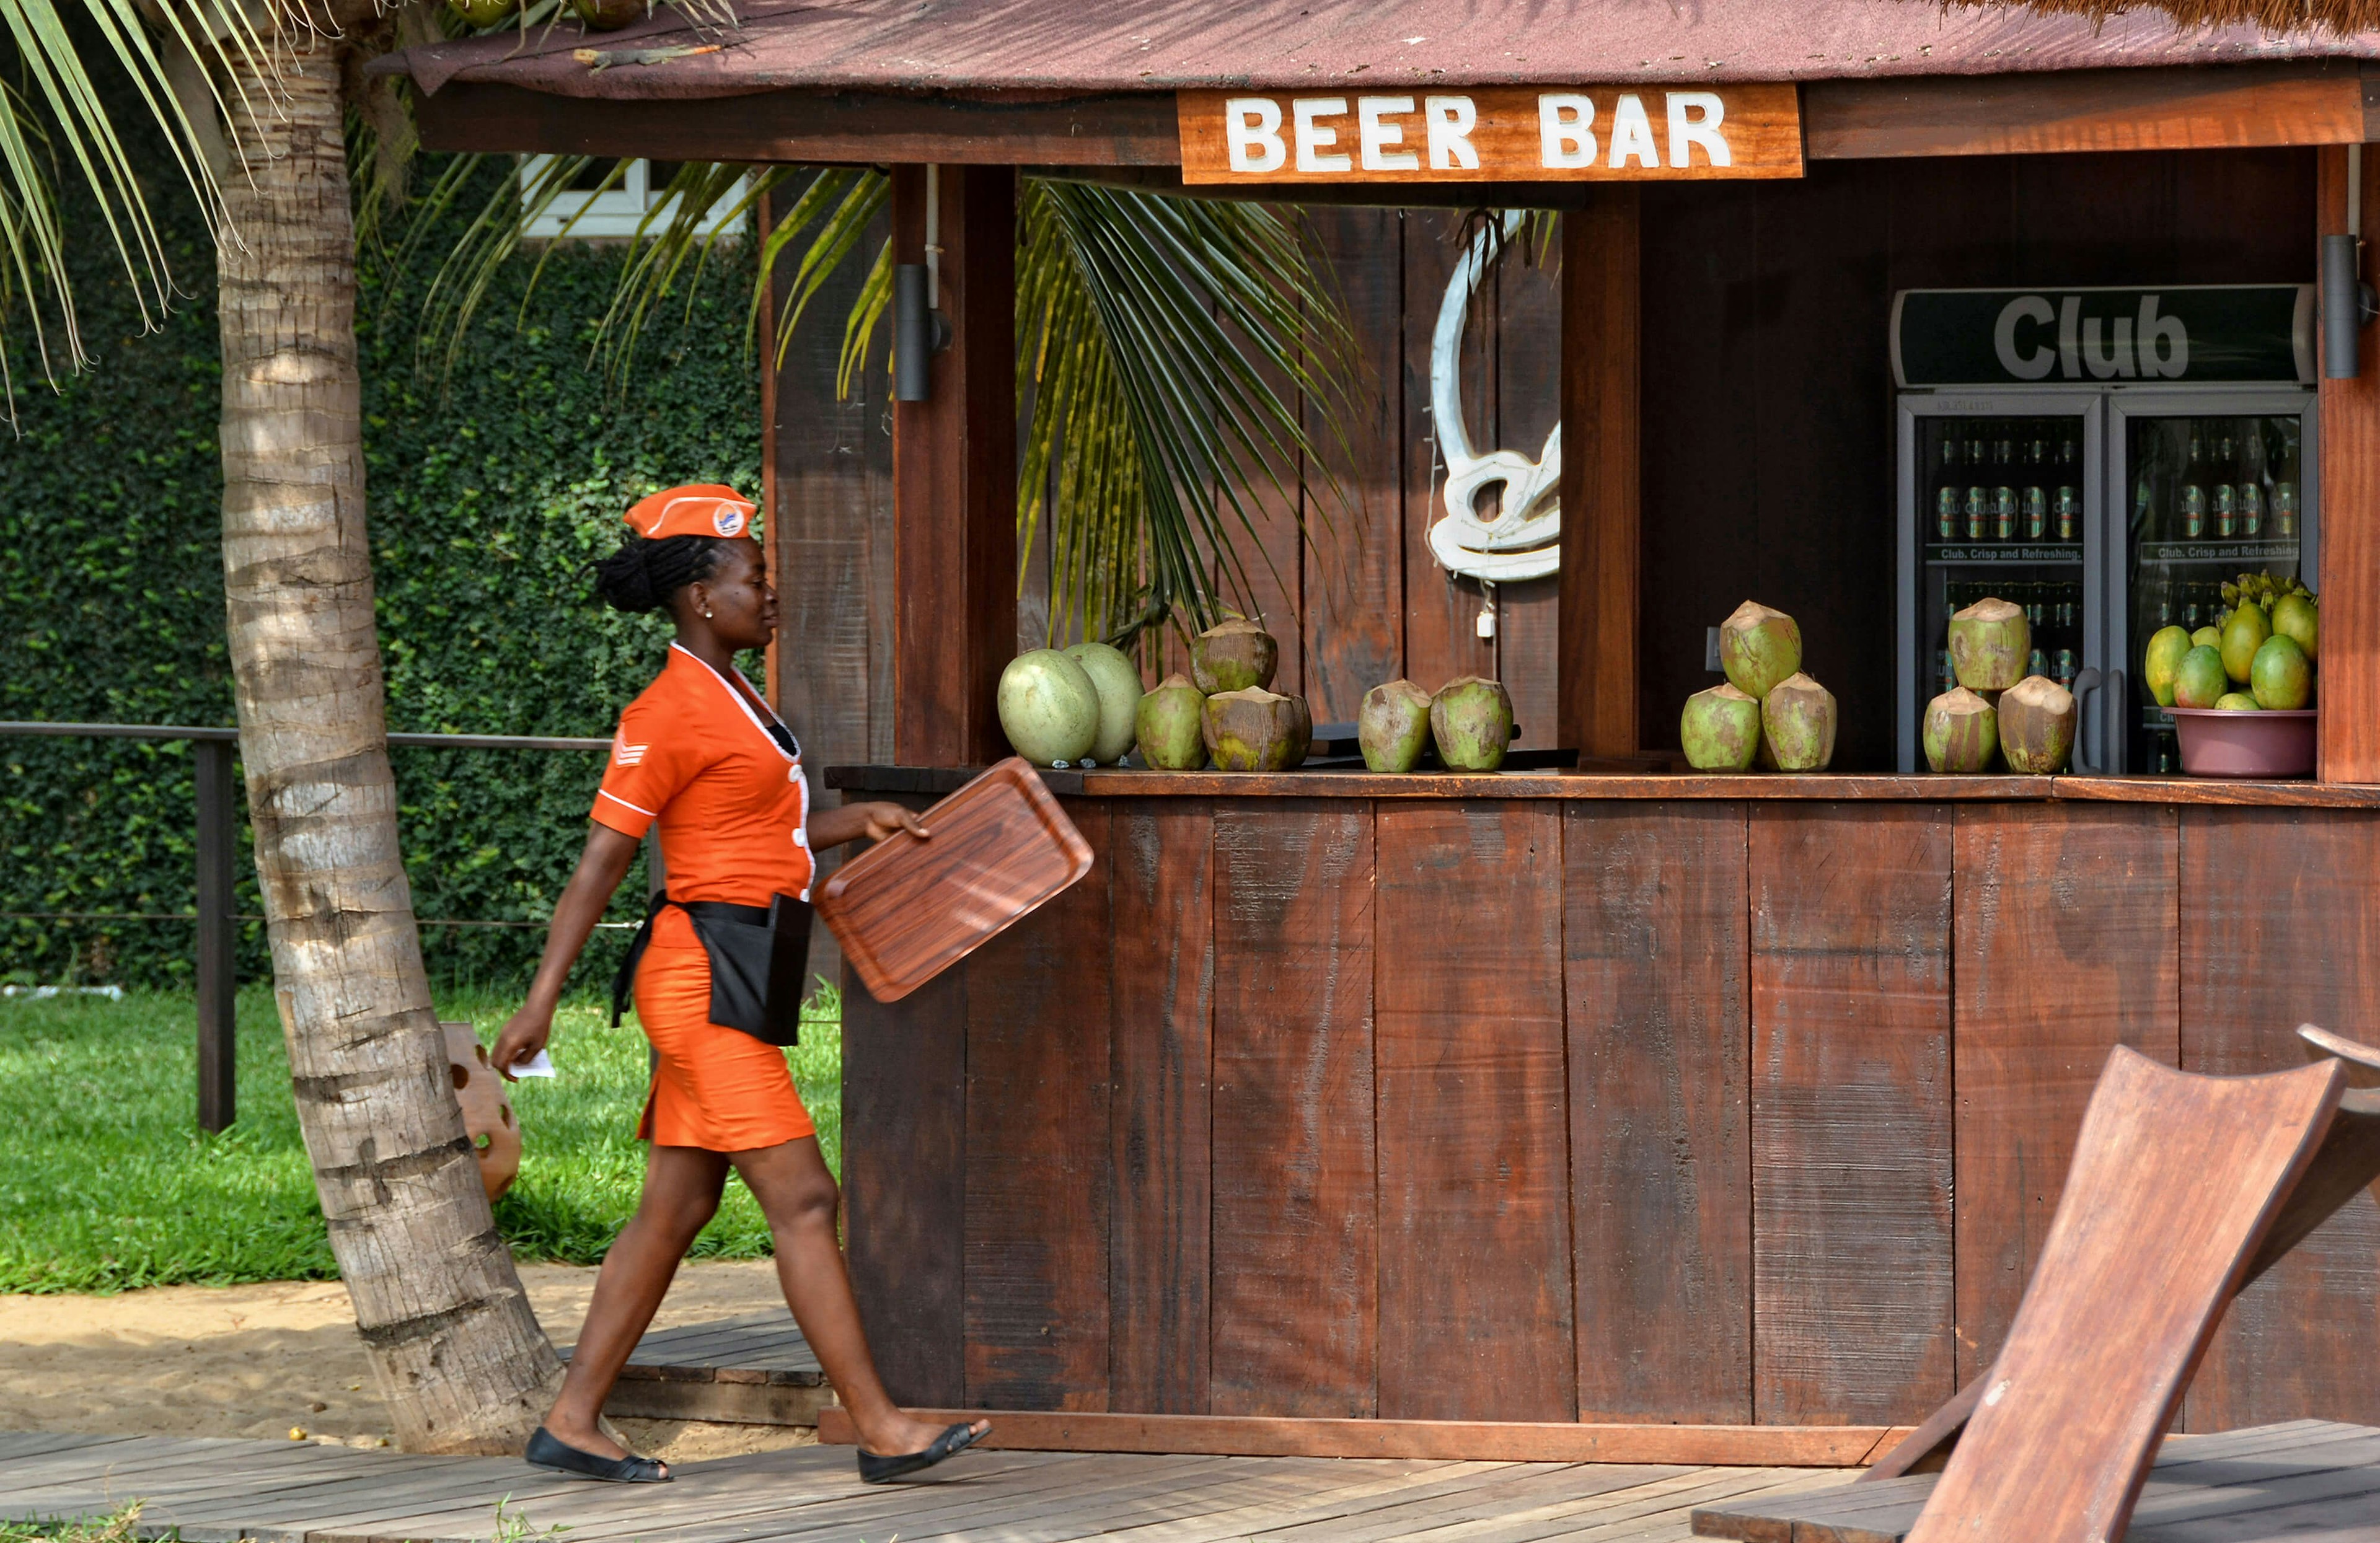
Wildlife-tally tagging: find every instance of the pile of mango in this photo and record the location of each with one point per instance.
(2258, 656)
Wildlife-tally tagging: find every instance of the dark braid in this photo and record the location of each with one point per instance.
(643, 574)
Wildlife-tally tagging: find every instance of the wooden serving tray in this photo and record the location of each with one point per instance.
(905, 910)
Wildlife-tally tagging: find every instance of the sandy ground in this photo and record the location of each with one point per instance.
(268, 1360)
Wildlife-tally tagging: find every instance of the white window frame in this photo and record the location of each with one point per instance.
(617, 211)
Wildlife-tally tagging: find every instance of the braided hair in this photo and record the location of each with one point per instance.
(645, 574)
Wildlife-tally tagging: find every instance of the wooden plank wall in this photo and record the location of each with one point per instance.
(1621, 1112)
(1371, 602)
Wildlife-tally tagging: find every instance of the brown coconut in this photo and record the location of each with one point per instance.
(1961, 732)
(1256, 730)
(1797, 724)
(1234, 655)
(2037, 724)
(487, 1112)
(1991, 643)
(1759, 645)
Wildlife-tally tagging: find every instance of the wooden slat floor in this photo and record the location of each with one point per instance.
(766, 1345)
(2311, 1481)
(755, 1369)
(219, 1491)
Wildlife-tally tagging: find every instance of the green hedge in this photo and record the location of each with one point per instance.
(490, 492)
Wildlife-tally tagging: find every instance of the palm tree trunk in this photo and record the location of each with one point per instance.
(457, 1353)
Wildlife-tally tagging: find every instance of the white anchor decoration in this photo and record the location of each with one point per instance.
(1524, 542)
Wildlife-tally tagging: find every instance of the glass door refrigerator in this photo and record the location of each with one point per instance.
(2214, 482)
(2001, 497)
(2107, 458)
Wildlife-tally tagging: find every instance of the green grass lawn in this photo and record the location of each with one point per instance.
(106, 1183)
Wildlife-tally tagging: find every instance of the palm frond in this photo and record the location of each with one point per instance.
(1178, 358)
(54, 119)
(1173, 345)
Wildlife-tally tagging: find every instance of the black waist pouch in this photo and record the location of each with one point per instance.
(759, 963)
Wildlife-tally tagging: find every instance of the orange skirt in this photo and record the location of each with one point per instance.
(715, 1088)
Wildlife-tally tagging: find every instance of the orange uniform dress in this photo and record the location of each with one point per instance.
(694, 754)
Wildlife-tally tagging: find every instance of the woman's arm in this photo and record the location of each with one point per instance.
(833, 827)
(601, 868)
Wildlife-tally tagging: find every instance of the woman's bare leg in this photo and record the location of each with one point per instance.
(798, 1197)
(682, 1186)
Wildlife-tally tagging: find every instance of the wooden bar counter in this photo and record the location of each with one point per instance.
(1642, 1101)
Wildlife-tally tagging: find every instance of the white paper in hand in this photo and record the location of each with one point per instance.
(536, 1065)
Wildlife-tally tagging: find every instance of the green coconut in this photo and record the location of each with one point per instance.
(1797, 722)
(2037, 723)
(1471, 718)
(1049, 708)
(1117, 681)
(1232, 656)
(1392, 727)
(1720, 728)
(1990, 644)
(2296, 618)
(1961, 732)
(2281, 677)
(485, 13)
(1758, 646)
(1171, 726)
(1256, 730)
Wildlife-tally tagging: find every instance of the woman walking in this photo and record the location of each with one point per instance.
(717, 973)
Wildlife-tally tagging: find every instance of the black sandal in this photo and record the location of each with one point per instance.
(949, 1443)
(545, 1451)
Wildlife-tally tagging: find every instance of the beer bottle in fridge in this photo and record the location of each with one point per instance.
(1949, 492)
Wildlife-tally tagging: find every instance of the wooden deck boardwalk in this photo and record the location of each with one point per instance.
(2312, 1481)
(755, 1369)
(219, 1491)
(2307, 1480)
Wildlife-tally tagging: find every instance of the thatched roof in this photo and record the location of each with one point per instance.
(2275, 17)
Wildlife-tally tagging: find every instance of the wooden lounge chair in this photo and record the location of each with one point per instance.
(2183, 1189)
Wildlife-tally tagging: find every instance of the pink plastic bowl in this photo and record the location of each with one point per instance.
(2219, 744)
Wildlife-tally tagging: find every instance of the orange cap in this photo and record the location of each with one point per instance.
(696, 509)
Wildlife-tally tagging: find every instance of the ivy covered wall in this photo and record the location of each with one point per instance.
(491, 490)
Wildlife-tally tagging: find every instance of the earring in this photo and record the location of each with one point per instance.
(706, 613)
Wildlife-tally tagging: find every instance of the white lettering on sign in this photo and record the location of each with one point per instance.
(2143, 346)
(1700, 129)
(1452, 118)
(1313, 139)
(1375, 135)
(1555, 132)
(1632, 134)
(1252, 129)
(1563, 121)
(2024, 367)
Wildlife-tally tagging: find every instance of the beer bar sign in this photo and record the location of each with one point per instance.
(1492, 134)
(2103, 337)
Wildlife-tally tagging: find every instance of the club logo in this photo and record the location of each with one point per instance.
(728, 520)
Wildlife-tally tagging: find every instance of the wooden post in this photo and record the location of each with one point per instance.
(954, 476)
(218, 931)
(1601, 394)
(2349, 701)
